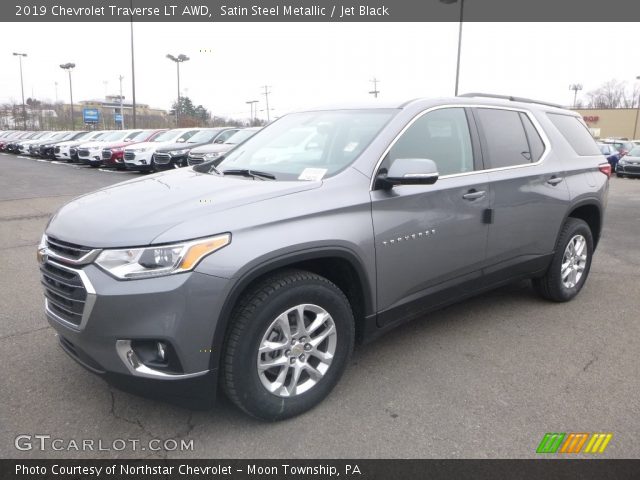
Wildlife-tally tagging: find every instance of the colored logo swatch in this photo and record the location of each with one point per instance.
(574, 442)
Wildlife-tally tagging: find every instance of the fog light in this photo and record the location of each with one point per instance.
(162, 350)
(143, 162)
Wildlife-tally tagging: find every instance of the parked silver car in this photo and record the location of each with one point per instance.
(325, 228)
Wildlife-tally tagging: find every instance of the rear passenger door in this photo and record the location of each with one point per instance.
(529, 193)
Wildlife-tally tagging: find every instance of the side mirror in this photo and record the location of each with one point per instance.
(410, 171)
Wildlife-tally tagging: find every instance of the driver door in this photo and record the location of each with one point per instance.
(430, 239)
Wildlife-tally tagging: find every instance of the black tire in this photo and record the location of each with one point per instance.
(551, 286)
(251, 318)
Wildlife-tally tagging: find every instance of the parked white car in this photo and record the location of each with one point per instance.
(62, 150)
(91, 153)
(140, 156)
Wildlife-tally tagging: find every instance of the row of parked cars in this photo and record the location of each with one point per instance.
(137, 149)
(623, 156)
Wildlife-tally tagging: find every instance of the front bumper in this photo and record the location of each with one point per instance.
(179, 310)
(632, 170)
(141, 161)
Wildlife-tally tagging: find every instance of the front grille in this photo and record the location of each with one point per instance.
(632, 168)
(66, 249)
(194, 161)
(106, 154)
(161, 158)
(64, 292)
(56, 150)
(83, 152)
(128, 155)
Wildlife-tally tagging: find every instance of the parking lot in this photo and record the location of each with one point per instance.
(485, 378)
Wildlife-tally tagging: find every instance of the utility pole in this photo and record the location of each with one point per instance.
(375, 90)
(576, 87)
(635, 127)
(106, 88)
(24, 108)
(121, 105)
(56, 84)
(266, 99)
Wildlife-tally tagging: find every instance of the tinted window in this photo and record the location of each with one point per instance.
(574, 132)
(504, 138)
(536, 146)
(442, 136)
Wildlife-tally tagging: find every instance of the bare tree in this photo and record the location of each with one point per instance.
(613, 94)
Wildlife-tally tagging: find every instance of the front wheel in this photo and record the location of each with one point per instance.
(289, 342)
(570, 265)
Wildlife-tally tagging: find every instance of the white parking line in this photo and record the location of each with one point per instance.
(112, 171)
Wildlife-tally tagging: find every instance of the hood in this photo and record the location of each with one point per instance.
(95, 143)
(135, 212)
(117, 144)
(177, 146)
(214, 147)
(69, 143)
(153, 145)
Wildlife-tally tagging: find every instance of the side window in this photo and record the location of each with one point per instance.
(536, 146)
(576, 133)
(442, 136)
(503, 137)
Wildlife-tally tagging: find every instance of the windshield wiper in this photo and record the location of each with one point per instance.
(245, 172)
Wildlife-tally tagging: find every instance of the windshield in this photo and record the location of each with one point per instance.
(166, 136)
(204, 136)
(240, 136)
(117, 135)
(635, 152)
(140, 137)
(308, 146)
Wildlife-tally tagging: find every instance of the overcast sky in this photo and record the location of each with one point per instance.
(313, 63)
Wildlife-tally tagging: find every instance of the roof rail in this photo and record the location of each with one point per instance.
(511, 98)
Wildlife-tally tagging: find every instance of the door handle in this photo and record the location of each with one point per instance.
(554, 180)
(474, 194)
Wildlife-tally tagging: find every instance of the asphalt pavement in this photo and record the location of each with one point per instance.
(486, 378)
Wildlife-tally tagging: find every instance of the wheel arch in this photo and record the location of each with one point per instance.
(590, 212)
(339, 265)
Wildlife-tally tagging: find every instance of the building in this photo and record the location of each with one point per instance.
(612, 122)
(109, 113)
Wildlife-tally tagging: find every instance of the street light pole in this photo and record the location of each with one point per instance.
(450, 2)
(179, 59)
(68, 67)
(252, 103)
(576, 87)
(121, 105)
(24, 108)
(635, 127)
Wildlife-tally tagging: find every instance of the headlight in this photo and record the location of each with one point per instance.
(622, 161)
(178, 152)
(159, 260)
(211, 155)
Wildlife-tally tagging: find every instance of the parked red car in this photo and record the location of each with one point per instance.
(113, 153)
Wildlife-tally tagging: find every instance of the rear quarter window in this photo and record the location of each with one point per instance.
(575, 133)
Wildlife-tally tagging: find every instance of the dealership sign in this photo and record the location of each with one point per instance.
(591, 118)
(91, 115)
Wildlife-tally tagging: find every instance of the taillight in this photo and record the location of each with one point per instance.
(605, 168)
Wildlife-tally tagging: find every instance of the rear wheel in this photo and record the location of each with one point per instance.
(571, 263)
(289, 342)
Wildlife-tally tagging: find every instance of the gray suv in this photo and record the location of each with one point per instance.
(258, 271)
